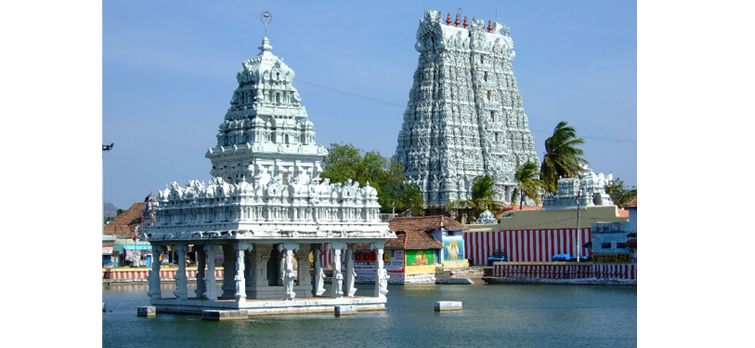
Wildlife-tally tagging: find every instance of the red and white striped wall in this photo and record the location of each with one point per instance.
(562, 271)
(143, 274)
(524, 245)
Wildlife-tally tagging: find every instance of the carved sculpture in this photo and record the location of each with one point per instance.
(466, 70)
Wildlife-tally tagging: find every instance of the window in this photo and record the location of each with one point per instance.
(621, 245)
(606, 245)
(489, 95)
(485, 77)
(492, 113)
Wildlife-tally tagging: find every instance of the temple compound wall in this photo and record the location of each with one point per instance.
(266, 210)
(465, 116)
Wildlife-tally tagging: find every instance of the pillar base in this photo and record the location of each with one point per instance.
(219, 315)
(146, 311)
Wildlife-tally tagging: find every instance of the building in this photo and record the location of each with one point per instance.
(609, 242)
(123, 243)
(631, 206)
(536, 234)
(425, 243)
(267, 211)
(465, 116)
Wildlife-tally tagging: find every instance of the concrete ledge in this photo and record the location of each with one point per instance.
(442, 306)
(346, 310)
(146, 311)
(455, 281)
(225, 315)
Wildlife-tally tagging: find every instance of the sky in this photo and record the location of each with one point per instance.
(169, 71)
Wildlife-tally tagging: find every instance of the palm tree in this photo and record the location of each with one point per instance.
(528, 180)
(562, 157)
(483, 191)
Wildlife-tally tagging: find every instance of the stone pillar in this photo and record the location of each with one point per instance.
(350, 273)
(302, 262)
(318, 287)
(287, 251)
(210, 288)
(181, 291)
(240, 249)
(248, 266)
(261, 256)
(229, 263)
(201, 263)
(154, 274)
(337, 280)
(381, 276)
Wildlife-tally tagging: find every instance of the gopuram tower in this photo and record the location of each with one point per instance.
(465, 116)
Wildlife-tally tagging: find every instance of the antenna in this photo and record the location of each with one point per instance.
(266, 16)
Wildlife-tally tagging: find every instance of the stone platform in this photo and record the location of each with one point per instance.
(269, 307)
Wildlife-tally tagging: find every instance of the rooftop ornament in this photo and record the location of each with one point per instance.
(266, 16)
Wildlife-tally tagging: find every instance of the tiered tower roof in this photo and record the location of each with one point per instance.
(465, 116)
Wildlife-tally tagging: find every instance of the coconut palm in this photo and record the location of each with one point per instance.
(562, 157)
(483, 193)
(528, 180)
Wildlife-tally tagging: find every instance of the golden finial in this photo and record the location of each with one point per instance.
(448, 20)
(466, 24)
(490, 27)
(457, 20)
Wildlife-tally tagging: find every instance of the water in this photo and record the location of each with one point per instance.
(501, 315)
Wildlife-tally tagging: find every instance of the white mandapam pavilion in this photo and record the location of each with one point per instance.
(266, 209)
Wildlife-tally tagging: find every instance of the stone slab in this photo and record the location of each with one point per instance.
(346, 310)
(146, 311)
(442, 306)
(216, 315)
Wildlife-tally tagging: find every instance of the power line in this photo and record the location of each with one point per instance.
(594, 138)
(403, 106)
(349, 93)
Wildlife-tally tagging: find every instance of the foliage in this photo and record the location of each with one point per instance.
(620, 195)
(528, 180)
(107, 220)
(347, 162)
(483, 191)
(119, 212)
(562, 157)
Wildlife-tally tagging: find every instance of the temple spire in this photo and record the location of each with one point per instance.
(265, 45)
(266, 18)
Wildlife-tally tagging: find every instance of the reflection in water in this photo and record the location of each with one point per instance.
(492, 315)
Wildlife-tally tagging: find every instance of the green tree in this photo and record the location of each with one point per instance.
(562, 157)
(119, 212)
(483, 191)
(347, 162)
(528, 180)
(620, 195)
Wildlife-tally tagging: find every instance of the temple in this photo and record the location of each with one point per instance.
(267, 211)
(465, 116)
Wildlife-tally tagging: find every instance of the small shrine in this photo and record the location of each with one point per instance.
(267, 211)
(589, 190)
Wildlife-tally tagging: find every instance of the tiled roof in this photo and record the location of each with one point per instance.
(425, 224)
(413, 232)
(630, 204)
(413, 240)
(123, 225)
(515, 207)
